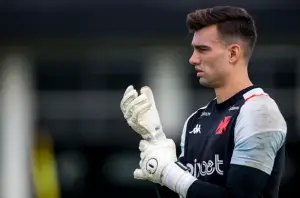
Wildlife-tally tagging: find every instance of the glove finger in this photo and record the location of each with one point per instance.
(142, 156)
(143, 145)
(140, 109)
(129, 88)
(139, 174)
(127, 99)
(135, 104)
(148, 92)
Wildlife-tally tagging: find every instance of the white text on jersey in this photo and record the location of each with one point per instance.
(205, 113)
(234, 108)
(205, 168)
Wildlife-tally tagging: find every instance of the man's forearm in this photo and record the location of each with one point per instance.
(242, 182)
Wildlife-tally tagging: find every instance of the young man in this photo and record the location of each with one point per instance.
(234, 146)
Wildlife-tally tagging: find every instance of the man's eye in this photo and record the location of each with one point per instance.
(201, 49)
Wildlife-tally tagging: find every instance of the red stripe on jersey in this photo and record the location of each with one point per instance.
(254, 95)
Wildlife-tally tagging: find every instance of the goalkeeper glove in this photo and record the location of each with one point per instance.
(158, 155)
(159, 164)
(141, 113)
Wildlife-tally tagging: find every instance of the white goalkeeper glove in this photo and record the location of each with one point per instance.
(158, 154)
(159, 164)
(141, 113)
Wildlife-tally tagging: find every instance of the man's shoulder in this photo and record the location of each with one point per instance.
(261, 105)
(260, 113)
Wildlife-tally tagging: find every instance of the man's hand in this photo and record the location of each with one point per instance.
(158, 154)
(141, 113)
(159, 164)
(155, 157)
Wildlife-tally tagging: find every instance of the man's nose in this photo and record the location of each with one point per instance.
(194, 60)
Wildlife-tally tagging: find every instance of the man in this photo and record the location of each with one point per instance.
(234, 146)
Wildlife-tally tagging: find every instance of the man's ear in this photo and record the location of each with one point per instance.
(234, 53)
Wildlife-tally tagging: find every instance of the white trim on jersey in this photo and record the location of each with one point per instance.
(255, 91)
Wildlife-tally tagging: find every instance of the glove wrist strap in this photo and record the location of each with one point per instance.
(176, 177)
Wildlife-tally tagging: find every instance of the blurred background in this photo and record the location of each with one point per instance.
(65, 65)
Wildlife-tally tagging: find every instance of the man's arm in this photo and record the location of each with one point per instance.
(242, 182)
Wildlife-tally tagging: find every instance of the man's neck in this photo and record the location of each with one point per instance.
(226, 92)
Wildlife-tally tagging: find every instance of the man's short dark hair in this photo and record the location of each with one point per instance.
(232, 22)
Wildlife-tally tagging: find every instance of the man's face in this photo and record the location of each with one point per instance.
(210, 57)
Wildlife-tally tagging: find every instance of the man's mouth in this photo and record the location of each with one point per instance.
(199, 72)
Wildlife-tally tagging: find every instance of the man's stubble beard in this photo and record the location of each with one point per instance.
(205, 83)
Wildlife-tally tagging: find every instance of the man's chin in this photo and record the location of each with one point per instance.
(205, 83)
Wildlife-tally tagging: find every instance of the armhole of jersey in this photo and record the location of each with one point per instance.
(183, 134)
